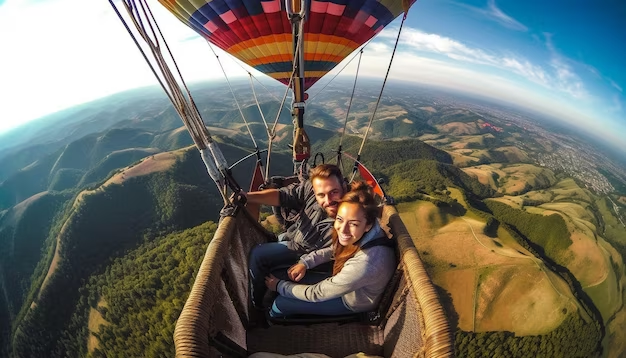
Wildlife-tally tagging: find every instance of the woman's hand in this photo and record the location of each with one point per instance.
(296, 272)
(271, 282)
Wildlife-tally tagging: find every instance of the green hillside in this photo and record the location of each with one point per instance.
(144, 291)
(27, 182)
(65, 168)
(378, 155)
(114, 160)
(74, 123)
(157, 119)
(251, 113)
(109, 221)
(407, 125)
(66, 178)
(86, 152)
(23, 231)
(411, 177)
(549, 232)
(171, 140)
(12, 161)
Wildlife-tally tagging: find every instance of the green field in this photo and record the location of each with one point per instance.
(495, 284)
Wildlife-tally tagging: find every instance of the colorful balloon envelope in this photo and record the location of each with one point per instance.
(259, 33)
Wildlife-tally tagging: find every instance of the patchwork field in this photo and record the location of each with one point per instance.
(512, 179)
(460, 159)
(595, 263)
(487, 174)
(458, 128)
(486, 278)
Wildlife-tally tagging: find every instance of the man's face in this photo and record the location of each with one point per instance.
(328, 192)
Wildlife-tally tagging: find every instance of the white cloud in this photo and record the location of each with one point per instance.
(494, 13)
(441, 73)
(553, 89)
(615, 85)
(558, 76)
(503, 18)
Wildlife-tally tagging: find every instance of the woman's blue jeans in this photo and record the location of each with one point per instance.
(285, 306)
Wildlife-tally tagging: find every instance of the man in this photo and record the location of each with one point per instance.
(316, 200)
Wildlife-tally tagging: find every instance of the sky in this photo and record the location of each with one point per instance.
(564, 58)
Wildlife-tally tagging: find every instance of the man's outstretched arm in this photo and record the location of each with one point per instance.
(265, 197)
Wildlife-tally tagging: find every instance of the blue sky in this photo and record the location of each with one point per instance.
(561, 57)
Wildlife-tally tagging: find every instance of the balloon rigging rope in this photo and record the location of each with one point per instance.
(194, 109)
(380, 95)
(341, 70)
(272, 133)
(267, 128)
(174, 93)
(237, 61)
(187, 110)
(184, 108)
(345, 122)
(235, 97)
(369, 125)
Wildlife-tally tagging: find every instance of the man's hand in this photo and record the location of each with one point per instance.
(271, 282)
(239, 197)
(296, 272)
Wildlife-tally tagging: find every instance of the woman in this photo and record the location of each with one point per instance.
(364, 261)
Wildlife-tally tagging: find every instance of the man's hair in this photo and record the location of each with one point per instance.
(325, 171)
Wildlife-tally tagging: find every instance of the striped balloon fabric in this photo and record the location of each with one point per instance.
(259, 32)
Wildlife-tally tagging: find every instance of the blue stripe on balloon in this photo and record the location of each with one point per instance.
(288, 66)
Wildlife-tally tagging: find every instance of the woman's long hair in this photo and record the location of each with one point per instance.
(360, 193)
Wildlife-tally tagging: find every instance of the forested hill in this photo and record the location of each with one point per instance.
(138, 299)
(410, 177)
(378, 155)
(109, 220)
(23, 231)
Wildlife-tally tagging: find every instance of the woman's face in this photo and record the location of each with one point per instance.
(350, 223)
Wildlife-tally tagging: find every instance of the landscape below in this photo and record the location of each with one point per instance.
(103, 227)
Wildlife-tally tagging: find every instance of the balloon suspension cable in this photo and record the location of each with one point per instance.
(341, 70)
(141, 50)
(185, 107)
(187, 114)
(380, 95)
(258, 105)
(267, 128)
(238, 62)
(195, 113)
(301, 144)
(345, 122)
(272, 133)
(256, 147)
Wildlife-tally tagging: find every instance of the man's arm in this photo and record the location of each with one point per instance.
(265, 197)
(292, 197)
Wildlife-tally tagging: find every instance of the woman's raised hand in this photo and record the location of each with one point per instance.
(296, 272)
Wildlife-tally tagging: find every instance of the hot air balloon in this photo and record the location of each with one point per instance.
(295, 42)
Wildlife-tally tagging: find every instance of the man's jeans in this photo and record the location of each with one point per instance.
(264, 259)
